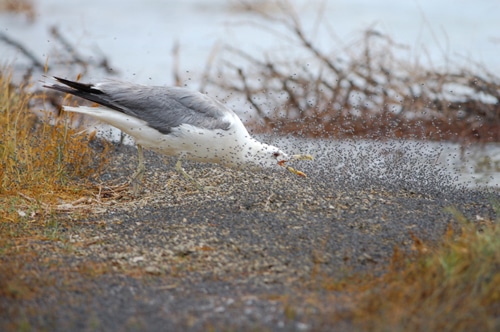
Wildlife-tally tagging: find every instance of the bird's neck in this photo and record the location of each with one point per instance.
(254, 152)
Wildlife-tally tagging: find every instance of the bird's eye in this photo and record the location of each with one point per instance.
(276, 154)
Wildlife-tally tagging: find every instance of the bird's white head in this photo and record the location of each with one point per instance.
(268, 156)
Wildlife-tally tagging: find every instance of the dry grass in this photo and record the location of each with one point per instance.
(43, 161)
(25, 7)
(451, 286)
(43, 165)
(367, 89)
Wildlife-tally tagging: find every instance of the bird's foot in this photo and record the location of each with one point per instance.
(208, 188)
(189, 178)
(136, 179)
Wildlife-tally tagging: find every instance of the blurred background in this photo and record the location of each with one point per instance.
(139, 38)
(417, 70)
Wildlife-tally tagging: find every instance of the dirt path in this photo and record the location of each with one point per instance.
(261, 251)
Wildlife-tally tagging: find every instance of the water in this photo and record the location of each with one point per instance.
(138, 36)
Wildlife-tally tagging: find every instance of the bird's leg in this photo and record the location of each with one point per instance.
(178, 167)
(138, 175)
(122, 138)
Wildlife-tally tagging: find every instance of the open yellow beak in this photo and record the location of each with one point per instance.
(302, 157)
(296, 157)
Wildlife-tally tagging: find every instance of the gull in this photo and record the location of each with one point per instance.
(175, 121)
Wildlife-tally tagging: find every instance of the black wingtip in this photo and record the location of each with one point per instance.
(83, 87)
(85, 91)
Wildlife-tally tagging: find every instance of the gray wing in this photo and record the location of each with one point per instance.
(163, 108)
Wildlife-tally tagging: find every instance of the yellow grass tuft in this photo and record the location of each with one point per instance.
(453, 287)
(42, 160)
(43, 163)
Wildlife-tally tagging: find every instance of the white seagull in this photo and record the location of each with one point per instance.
(175, 121)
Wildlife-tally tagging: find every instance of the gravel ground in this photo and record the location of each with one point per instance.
(254, 253)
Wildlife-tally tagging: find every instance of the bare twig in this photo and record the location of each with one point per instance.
(77, 58)
(34, 61)
(175, 64)
(364, 90)
(248, 94)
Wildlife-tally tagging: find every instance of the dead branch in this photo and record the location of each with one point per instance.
(9, 41)
(363, 91)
